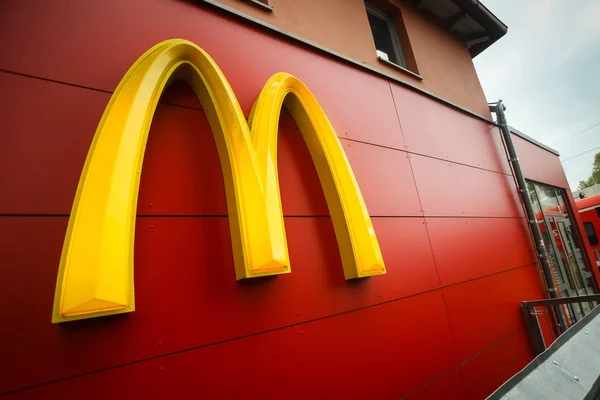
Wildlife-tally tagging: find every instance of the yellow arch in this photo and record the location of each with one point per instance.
(96, 270)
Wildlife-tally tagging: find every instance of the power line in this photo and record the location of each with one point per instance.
(575, 134)
(580, 154)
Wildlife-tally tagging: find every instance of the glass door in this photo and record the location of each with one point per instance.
(572, 254)
(563, 247)
(561, 279)
(564, 280)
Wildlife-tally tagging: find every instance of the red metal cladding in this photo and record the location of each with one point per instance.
(366, 112)
(181, 94)
(449, 189)
(47, 129)
(491, 368)
(30, 250)
(449, 386)
(180, 162)
(437, 130)
(407, 255)
(354, 355)
(385, 179)
(57, 40)
(469, 248)
(301, 191)
(181, 174)
(378, 170)
(483, 311)
(539, 164)
(184, 277)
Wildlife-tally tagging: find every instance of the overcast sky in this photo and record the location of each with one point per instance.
(546, 69)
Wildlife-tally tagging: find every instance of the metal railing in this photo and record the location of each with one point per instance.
(546, 320)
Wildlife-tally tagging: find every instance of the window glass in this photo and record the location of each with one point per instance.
(548, 198)
(547, 238)
(385, 36)
(563, 206)
(591, 233)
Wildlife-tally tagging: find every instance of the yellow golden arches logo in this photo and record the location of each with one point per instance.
(96, 268)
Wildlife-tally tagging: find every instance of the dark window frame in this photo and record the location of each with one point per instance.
(393, 32)
(592, 237)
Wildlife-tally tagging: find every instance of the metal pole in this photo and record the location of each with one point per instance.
(499, 108)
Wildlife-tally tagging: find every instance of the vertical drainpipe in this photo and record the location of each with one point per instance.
(499, 108)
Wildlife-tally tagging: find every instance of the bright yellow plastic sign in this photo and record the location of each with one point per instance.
(96, 269)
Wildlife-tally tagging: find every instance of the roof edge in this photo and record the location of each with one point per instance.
(492, 24)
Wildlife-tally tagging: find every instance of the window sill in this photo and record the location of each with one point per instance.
(260, 4)
(399, 68)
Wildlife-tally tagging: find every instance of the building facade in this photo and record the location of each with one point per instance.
(444, 321)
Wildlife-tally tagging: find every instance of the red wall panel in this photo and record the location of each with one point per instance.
(181, 159)
(47, 129)
(449, 189)
(437, 130)
(407, 255)
(488, 370)
(61, 37)
(485, 310)
(539, 164)
(352, 355)
(180, 170)
(185, 278)
(301, 192)
(385, 179)
(448, 386)
(478, 246)
(181, 174)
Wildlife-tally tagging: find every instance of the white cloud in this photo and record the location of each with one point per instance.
(545, 70)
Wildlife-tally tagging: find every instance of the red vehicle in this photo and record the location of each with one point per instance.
(589, 210)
